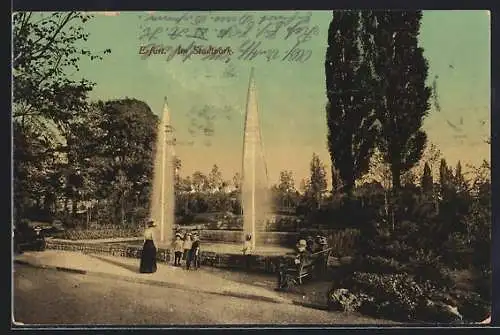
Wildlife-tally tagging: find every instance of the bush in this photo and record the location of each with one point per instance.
(394, 296)
(380, 265)
(426, 266)
(343, 300)
(471, 305)
(398, 293)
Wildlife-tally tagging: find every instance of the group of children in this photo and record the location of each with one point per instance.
(187, 248)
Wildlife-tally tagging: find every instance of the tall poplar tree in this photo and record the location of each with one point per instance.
(317, 182)
(349, 111)
(403, 97)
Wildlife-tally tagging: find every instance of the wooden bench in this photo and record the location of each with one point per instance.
(316, 263)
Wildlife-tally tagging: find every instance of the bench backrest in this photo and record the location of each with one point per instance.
(325, 252)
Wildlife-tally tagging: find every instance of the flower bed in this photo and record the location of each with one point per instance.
(93, 234)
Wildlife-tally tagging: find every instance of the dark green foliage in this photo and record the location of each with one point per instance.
(407, 260)
(343, 300)
(380, 265)
(316, 186)
(426, 182)
(350, 117)
(284, 194)
(46, 102)
(122, 155)
(471, 305)
(445, 179)
(397, 295)
(402, 94)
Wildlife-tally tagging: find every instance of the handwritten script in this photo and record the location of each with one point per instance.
(227, 36)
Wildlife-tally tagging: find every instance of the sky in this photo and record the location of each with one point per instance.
(291, 93)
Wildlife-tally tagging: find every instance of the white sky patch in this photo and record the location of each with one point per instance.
(106, 13)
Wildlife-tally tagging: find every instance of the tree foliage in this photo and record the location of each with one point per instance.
(427, 182)
(215, 180)
(402, 95)
(316, 185)
(47, 101)
(46, 47)
(350, 112)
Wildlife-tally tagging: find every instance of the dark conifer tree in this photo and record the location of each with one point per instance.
(403, 97)
(460, 182)
(350, 114)
(427, 182)
(445, 179)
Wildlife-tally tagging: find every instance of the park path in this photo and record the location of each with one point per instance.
(91, 300)
(166, 275)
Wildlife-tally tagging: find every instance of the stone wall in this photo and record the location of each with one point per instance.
(267, 264)
(119, 250)
(236, 236)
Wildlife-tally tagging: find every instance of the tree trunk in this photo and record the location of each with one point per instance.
(88, 218)
(348, 184)
(396, 177)
(386, 204)
(74, 205)
(122, 213)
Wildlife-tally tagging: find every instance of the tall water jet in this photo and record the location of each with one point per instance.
(163, 198)
(254, 188)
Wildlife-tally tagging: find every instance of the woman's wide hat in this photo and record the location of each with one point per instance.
(151, 222)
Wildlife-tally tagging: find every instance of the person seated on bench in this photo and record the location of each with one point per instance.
(322, 258)
(288, 272)
(303, 261)
(322, 242)
(310, 244)
(303, 254)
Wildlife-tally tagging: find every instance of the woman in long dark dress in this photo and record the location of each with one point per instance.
(148, 257)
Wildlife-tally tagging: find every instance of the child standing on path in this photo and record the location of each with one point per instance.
(247, 250)
(187, 245)
(177, 245)
(195, 252)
